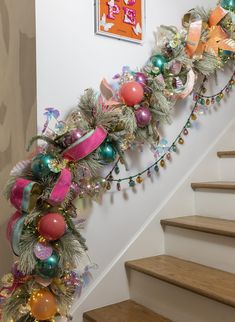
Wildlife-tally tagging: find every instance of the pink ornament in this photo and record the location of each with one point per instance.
(143, 116)
(73, 136)
(52, 226)
(131, 93)
(43, 251)
(141, 78)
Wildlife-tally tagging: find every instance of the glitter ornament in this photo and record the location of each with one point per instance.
(42, 251)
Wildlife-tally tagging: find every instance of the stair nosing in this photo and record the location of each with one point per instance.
(216, 185)
(181, 284)
(170, 222)
(226, 154)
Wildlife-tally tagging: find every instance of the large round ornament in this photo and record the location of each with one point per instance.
(73, 136)
(52, 226)
(228, 4)
(143, 116)
(48, 268)
(131, 93)
(43, 305)
(159, 61)
(107, 152)
(40, 165)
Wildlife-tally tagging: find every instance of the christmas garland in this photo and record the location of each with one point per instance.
(44, 231)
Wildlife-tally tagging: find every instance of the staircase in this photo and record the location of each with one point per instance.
(195, 280)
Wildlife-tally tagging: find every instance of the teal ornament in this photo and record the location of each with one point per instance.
(107, 152)
(49, 267)
(40, 165)
(159, 61)
(228, 5)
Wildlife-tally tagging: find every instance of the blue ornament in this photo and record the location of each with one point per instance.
(159, 61)
(40, 165)
(228, 5)
(107, 152)
(49, 267)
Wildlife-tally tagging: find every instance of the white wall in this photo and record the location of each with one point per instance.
(71, 58)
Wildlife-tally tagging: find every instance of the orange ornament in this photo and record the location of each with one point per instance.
(43, 305)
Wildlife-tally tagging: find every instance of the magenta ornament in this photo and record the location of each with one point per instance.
(43, 251)
(143, 116)
(73, 136)
(141, 78)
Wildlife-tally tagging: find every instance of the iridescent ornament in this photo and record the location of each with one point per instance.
(43, 251)
(131, 183)
(181, 141)
(141, 78)
(75, 189)
(131, 93)
(162, 163)
(159, 61)
(139, 179)
(156, 168)
(52, 226)
(143, 116)
(43, 305)
(49, 267)
(193, 117)
(228, 4)
(40, 165)
(107, 152)
(185, 131)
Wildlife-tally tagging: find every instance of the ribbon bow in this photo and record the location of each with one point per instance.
(217, 38)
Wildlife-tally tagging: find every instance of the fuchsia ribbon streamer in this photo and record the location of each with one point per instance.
(85, 145)
(61, 188)
(24, 194)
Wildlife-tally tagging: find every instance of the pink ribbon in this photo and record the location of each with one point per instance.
(85, 145)
(61, 188)
(24, 194)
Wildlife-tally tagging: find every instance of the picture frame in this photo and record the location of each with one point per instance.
(121, 19)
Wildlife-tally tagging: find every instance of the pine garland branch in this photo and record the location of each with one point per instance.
(208, 64)
(76, 233)
(46, 139)
(87, 105)
(27, 260)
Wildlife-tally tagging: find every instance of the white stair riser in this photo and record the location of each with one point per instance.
(215, 203)
(203, 248)
(176, 303)
(227, 169)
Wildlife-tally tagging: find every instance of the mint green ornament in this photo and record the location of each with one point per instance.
(228, 5)
(40, 165)
(107, 152)
(159, 61)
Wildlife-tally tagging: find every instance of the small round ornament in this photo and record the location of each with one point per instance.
(52, 226)
(159, 61)
(43, 305)
(73, 136)
(107, 152)
(143, 116)
(228, 4)
(40, 165)
(131, 93)
(48, 268)
(141, 78)
(43, 251)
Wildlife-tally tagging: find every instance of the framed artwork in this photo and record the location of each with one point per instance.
(122, 19)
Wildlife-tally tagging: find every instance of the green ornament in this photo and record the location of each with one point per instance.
(156, 168)
(218, 99)
(228, 5)
(159, 61)
(131, 183)
(49, 267)
(107, 152)
(40, 165)
(174, 148)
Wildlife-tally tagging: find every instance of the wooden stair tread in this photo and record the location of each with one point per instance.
(205, 224)
(127, 311)
(226, 154)
(223, 185)
(212, 283)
